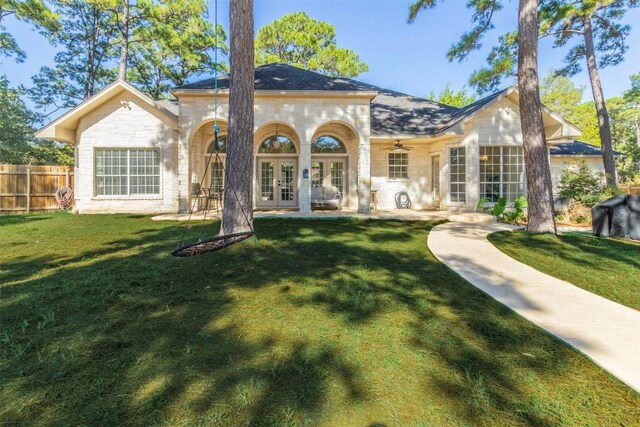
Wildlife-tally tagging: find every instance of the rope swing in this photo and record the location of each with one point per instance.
(224, 240)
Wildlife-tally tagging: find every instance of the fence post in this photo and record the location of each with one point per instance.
(28, 189)
(66, 178)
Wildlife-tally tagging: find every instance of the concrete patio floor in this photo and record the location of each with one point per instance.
(401, 214)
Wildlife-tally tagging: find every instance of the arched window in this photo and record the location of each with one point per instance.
(328, 145)
(222, 142)
(277, 144)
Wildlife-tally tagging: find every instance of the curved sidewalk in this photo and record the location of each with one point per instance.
(606, 332)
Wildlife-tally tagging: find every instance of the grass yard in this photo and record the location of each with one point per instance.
(607, 267)
(334, 323)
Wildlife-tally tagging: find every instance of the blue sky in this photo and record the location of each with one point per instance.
(403, 57)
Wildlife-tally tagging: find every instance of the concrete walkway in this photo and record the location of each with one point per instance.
(607, 332)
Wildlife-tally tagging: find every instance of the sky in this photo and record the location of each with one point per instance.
(409, 58)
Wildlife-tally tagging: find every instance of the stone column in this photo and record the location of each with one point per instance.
(304, 162)
(364, 174)
(473, 173)
(183, 176)
(445, 196)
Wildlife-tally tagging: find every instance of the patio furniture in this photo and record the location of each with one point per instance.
(326, 197)
(214, 195)
(198, 192)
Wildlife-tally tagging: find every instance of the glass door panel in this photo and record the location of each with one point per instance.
(337, 175)
(287, 183)
(266, 196)
(317, 173)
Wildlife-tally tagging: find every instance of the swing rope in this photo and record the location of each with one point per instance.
(221, 241)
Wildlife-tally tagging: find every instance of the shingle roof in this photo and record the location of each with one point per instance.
(577, 148)
(392, 113)
(170, 105)
(286, 77)
(395, 113)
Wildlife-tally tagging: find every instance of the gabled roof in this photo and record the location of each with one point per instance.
(397, 114)
(392, 112)
(577, 148)
(63, 128)
(170, 105)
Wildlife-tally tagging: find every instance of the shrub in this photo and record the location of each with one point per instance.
(503, 211)
(578, 213)
(579, 184)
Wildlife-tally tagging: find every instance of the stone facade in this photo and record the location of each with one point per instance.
(125, 122)
(120, 117)
(302, 118)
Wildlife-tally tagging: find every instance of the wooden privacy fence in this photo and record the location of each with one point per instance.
(28, 188)
(630, 189)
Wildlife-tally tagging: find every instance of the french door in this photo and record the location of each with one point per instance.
(277, 183)
(329, 173)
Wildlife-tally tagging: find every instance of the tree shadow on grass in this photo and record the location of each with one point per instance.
(118, 332)
(22, 219)
(572, 248)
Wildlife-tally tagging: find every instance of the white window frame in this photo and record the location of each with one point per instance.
(501, 182)
(389, 177)
(129, 194)
(457, 182)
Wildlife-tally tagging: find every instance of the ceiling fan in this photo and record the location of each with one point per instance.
(399, 146)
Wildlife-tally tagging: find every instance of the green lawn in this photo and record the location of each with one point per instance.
(607, 267)
(334, 323)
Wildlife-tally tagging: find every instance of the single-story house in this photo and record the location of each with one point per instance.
(134, 154)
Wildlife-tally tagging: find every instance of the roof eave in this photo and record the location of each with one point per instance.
(280, 93)
(56, 130)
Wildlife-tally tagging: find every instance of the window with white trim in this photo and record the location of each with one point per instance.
(125, 172)
(501, 173)
(398, 165)
(457, 175)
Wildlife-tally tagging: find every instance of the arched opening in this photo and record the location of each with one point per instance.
(329, 163)
(327, 144)
(334, 149)
(216, 176)
(277, 144)
(276, 166)
(207, 170)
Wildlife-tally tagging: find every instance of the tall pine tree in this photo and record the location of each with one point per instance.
(539, 191)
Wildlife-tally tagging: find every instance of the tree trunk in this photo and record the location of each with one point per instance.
(238, 200)
(124, 43)
(536, 158)
(611, 174)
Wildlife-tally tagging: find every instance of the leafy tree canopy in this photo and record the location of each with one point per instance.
(34, 11)
(560, 94)
(450, 97)
(298, 40)
(183, 48)
(565, 21)
(17, 145)
(168, 42)
(83, 64)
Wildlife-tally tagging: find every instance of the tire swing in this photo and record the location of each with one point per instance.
(222, 241)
